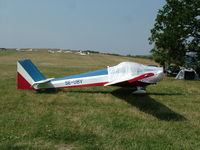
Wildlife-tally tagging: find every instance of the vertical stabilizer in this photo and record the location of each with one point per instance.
(27, 74)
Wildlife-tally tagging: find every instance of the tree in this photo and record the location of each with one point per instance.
(176, 31)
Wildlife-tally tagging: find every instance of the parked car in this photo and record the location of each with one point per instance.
(172, 71)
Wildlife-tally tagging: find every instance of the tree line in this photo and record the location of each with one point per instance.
(176, 31)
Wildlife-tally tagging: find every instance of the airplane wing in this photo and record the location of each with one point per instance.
(132, 80)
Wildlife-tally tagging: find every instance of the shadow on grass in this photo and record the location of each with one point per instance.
(91, 92)
(165, 94)
(49, 91)
(144, 103)
(128, 92)
(149, 105)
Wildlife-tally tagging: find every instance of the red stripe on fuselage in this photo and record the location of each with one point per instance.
(146, 75)
(85, 85)
(22, 83)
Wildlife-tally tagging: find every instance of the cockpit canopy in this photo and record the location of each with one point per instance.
(127, 70)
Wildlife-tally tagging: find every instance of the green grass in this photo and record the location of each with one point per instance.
(95, 117)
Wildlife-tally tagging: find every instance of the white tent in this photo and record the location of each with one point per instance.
(188, 74)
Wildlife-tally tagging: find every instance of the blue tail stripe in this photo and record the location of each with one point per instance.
(32, 70)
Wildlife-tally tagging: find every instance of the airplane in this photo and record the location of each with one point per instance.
(125, 74)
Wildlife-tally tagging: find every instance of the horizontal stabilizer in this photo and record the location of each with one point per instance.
(42, 81)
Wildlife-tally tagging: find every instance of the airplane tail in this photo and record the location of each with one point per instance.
(28, 75)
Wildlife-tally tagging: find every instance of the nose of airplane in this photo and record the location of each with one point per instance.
(160, 75)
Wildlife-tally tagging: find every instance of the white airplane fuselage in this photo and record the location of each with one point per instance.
(125, 74)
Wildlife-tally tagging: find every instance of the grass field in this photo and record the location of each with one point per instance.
(95, 117)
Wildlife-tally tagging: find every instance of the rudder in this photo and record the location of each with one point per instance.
(27, 74)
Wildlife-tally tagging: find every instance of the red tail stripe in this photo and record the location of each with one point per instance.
(22, 83)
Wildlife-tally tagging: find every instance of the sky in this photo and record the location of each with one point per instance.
(111, 26)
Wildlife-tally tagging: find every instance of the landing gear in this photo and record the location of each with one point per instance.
(139, 91)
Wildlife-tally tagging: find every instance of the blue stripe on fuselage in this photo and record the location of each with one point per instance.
(88, 74)
(32, 70)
